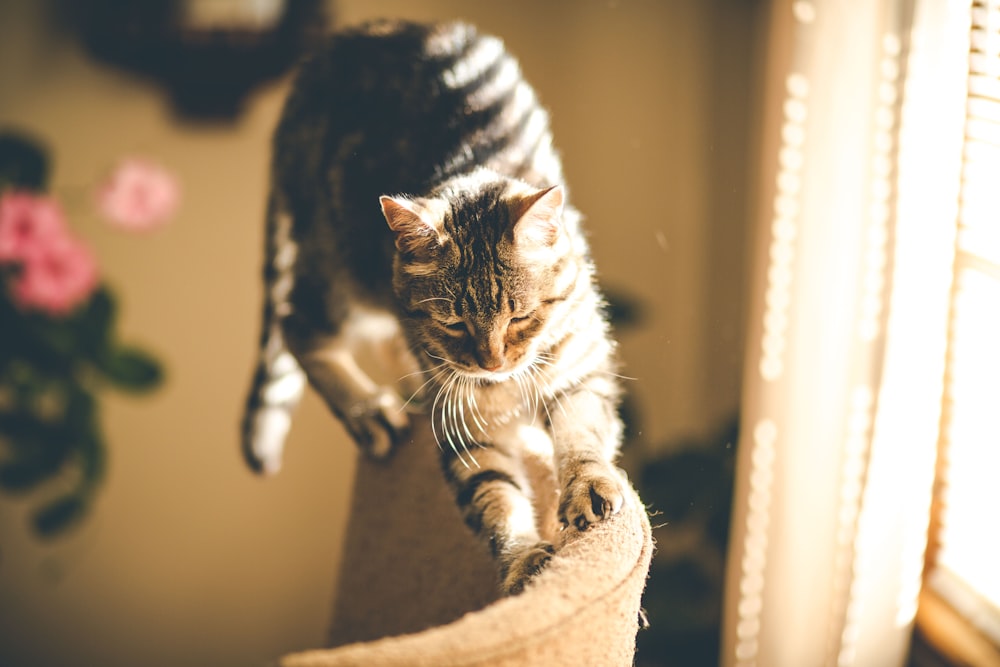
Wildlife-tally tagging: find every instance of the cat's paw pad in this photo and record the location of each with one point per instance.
(525, 565)
(379, 424)
(593, 494)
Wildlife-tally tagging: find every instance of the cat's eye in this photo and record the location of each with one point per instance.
(455, 327)
(516, 320)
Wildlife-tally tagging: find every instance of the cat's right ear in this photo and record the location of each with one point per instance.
(416, 228)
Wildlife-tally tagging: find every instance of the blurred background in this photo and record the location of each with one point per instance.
(184, 556)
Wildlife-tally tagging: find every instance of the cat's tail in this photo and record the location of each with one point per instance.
(278, 381)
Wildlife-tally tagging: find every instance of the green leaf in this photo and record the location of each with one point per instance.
(54, 346)
(33, 466)
(39, 447)
(130, 368)
(23, 163)
(59, 515)
(80, 413)
(92, 324)
(21, 476)
(37, 451)
(22, 426)
(93, 459)
(44, 345)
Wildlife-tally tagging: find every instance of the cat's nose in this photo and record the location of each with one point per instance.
(490, 354)
(491, 361)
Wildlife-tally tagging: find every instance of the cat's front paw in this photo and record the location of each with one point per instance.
(524, 565)
(594, 492)
(378, 424)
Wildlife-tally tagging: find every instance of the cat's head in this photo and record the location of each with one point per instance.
(482, 267)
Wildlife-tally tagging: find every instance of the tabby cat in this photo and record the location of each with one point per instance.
(475, 273)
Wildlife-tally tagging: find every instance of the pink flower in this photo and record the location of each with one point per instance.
(28, 223)
(56, 273)
(138, 195)
(57, 277)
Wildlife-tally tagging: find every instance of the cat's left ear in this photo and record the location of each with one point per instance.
(416, 228)
(538, 218)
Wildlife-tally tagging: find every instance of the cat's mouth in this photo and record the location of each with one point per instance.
(502, 374)
(481, 375)
(510, 369)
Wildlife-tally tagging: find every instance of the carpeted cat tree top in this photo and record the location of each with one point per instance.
(417, 589)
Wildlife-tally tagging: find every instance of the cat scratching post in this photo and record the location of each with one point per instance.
(417, 589)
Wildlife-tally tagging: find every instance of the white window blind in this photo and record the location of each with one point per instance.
(966, 567)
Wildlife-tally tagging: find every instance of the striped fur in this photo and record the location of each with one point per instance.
(475, 283)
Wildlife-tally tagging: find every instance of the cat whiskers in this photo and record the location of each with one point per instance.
(437, 397)
(434, 356)
(540, 383)
(528, 389)
(470, 399)
(474, 411)
(463, 394)
(450, 396)
(442, 396)
(548, 359)
(456, 401)
(536, 381)
(421, 372)
(421, 387)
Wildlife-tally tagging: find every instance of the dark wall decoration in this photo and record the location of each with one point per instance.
(208, 63)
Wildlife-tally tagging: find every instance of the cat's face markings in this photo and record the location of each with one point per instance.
(487, 342)
(475, 336)
(479, 269)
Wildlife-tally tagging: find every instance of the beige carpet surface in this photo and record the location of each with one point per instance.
(417, 589)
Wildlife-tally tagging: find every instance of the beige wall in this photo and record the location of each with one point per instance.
(189, 559)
